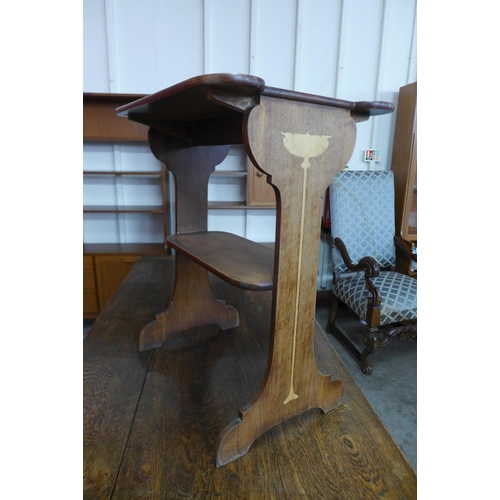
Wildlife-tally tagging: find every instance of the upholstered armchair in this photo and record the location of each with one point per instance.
(364, 258)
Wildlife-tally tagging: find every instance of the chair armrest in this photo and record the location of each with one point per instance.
(367, 264)
(406, 247)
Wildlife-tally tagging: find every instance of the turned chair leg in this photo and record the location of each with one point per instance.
(332, 314)
(371, 341)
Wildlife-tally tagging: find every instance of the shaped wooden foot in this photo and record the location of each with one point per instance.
(191, 304)
(266, 412)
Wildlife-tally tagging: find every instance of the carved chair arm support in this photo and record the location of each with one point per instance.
(406, 247)
(367, 264)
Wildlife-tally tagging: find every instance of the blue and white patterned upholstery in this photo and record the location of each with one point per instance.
(362, 215)
(398, 291)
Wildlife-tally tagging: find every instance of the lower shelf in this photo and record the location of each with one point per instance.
(238, 261)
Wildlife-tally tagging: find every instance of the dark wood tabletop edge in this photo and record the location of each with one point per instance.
(361, 107)
(230, 80)
(239, 83)
(373, 107)
(114, 97)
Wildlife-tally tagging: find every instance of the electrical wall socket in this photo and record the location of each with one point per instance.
(373, 155)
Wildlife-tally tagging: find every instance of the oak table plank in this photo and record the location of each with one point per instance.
(114, 372)
(152, 419)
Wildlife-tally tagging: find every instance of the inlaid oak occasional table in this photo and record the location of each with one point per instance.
(300, 142)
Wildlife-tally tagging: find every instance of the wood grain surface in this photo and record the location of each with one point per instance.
(151, 419)
(248, 265)
(300, 146)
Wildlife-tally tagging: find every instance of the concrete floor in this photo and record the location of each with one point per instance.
(392, 387)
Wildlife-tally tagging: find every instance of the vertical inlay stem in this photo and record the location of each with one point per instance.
(292, 395)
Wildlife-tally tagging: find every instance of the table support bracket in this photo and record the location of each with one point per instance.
(191, 303)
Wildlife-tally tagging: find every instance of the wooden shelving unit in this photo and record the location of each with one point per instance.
(259, 194)
(104, 269)
(404, 166)
(106, 265)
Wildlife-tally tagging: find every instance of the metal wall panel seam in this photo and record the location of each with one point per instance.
(162, 83)
(161, 60)
(253, 36)
(206, 36)
(297, 62)
(111, 41)
(338, 77)
(251, 70)
(113, 87)
(382, 43)
(412, 67)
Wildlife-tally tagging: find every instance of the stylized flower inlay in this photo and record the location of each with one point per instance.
(305, 146)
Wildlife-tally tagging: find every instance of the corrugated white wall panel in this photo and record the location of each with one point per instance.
(318, 32)
(179, 31)
(274, 30)
(227, 36)
(349, 49)
(397, 61)
(135, 46)
(95, 51)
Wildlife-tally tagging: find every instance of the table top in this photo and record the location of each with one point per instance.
(152, 419)
(226, 97)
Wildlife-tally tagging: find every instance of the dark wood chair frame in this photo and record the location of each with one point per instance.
(373, 337)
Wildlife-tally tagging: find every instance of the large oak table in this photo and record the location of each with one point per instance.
(151, 418)
(299, 141)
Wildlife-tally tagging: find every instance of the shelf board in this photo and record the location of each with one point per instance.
(226, 204)
(101, 123)
(237, 205)
(230, 173)
(124, 248)
(111, 172)
(149, 209)
(238, 261)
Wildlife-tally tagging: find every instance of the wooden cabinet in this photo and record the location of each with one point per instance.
(105, 266)
(404, 166)
(260, 193)
(90, 305)
(111, 270)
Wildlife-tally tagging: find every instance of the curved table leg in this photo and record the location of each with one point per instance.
(191, 304)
